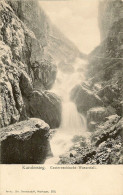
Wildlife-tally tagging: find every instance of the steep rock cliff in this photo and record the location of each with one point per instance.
(110, 51)
(104, 80)
(110, 11)
(22, 68)
(106, 61)
(30, 47)
(56, 47)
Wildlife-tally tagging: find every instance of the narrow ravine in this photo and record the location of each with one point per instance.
(72, 123)
(48, 88)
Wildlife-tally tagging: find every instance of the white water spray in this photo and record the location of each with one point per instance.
(72, 123)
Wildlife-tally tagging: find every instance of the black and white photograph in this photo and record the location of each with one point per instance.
(61, 65)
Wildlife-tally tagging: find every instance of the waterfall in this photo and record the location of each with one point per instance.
(71, 119)
(72, 122)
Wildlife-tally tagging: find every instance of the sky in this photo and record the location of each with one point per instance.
(77, 19)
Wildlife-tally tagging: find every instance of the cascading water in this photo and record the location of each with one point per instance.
(72, 123)
(71, 119)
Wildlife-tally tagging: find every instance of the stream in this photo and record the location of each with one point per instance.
(72, 123)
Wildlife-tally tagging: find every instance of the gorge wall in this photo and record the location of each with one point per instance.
(29, 42)
(109, 12)
(103, 86)
(100, 97)
(56, 47)
(31, 49)
(106, 61)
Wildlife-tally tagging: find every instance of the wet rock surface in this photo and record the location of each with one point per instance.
(25, 142)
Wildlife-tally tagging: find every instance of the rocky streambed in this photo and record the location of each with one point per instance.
(104, 147)
(28, 71)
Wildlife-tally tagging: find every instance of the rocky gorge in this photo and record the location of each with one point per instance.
(32, 50)
(28, 65)
(103, 93)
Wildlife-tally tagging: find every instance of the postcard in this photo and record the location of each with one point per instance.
(61, 102)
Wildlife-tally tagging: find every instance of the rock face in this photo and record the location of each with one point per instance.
(107, 58)
(25, 142)
(98, 115)
(55, 45)
(12, 105)
(106, 61)
(62, 50)
(28, 46)
(45, 105)
(20, 51)
(84, 98)
(105, 70)
(109, 12)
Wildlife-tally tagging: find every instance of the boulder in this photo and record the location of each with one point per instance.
(92, 126)
(98, 115)
(107, 93)
(46, 106)
(25, 142)
(109, 129)
(85, 98)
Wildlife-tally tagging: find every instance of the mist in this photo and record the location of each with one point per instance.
(77, 19)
